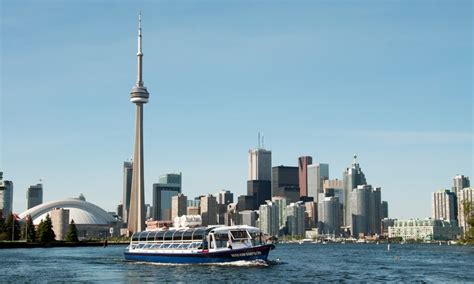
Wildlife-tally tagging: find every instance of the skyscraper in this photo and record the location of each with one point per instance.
(6, 197)
(303, 163)
(352, 177)
(281, 203)
(179, 205)
(34, 195)
(208, 210)
(260, 164)
(444, 205)
(127, 189)
(329, 215)
(162, 194)
(384, 210)
(317, 174)
(172, 179)
(260, 190)
(365, 210)
(139, 96)
(285, 183)
(224, 198)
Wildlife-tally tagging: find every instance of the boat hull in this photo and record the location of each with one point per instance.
(254, 253)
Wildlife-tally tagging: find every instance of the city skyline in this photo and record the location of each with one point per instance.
(324, 81)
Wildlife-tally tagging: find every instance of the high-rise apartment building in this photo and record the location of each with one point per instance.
(303, 163)
(248, 217)
(329, 211)
(127, 189)
(224, 197)
(281, 203)
(285, 182)
(365, 210)
(6, 196)
(317, 174)
(444, 205)
(208, 210)
(460, 182)
(352, 177)
(268, 218)
(179, 204)
(34, 195)
(244, 202)
(311, 214)
(295, 219)
(162, 194)
(465, 196)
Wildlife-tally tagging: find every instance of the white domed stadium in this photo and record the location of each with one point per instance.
(91, 220)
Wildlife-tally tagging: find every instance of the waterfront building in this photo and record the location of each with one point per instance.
(465, 196)
(317, 174)
(384, 210)
(352, 177)
(91, 220)
(386, 223)
(34, 195)
(209, 210)
(285, 183)
(162, 194)
(444, 205)
(311, 214)
(6, 197)
(460, 182)
(127, 189)
(295, 219)
(268, 218)
(179, 205)
(365, 210)
(248, 217)
(427, 230)
(281, 202)
(329, 215)
(139, 96)
(245, 202)
(260, 164)
(60, 222)
(303, 163)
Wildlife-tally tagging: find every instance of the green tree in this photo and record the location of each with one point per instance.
(71, 235)
(12, 228)
(29, 231)
(45, 230)
(469, 216)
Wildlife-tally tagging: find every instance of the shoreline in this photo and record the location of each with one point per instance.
(13, 245)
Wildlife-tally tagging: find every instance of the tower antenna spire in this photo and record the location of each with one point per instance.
(139, 52)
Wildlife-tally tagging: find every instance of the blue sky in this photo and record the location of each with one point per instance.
(391, 81)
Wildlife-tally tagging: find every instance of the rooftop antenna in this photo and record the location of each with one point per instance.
(263, 141)
(258, 140)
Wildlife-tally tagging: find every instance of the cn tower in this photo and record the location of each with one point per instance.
(138, 96)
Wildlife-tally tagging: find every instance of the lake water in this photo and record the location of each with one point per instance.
(297, 263)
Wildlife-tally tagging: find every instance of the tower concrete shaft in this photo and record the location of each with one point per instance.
(139, 96)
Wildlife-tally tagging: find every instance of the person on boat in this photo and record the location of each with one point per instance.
(229, 244)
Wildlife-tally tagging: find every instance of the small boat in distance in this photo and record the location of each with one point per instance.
(187, 245)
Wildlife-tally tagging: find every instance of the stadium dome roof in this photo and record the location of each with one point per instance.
(82, 212)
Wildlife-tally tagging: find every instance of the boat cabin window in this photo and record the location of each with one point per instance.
(177, 236)
(239, 235)
(221, 240)
(188, 235)
(135, 238)
(168, 235)
(142, 236)
(159, 235)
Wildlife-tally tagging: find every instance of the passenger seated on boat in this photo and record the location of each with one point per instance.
(229, 244)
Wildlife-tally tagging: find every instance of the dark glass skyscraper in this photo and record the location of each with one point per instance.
(127, 188)
(285, 182)
(34, 195)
